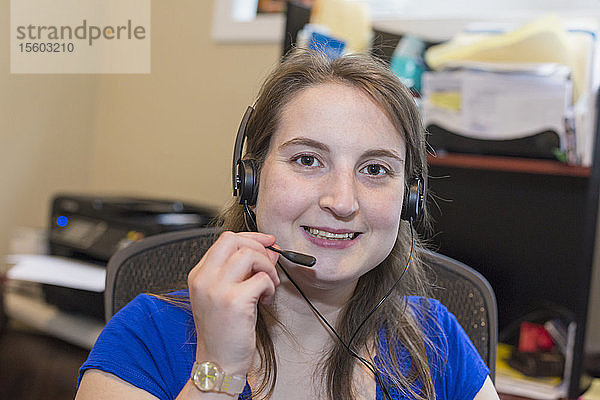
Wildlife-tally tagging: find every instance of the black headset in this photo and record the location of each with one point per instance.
(244, 174)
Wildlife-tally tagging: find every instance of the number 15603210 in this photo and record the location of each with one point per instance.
(46, 47)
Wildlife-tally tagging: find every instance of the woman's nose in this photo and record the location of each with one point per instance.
(339, 195)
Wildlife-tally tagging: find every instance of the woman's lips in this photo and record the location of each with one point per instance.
(330, 238)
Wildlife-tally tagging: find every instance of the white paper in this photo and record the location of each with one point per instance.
(529, 389)
(58, 271)
(499, 106)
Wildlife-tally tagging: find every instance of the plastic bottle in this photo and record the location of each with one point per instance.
(407, 62)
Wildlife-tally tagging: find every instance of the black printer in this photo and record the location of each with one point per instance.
(93, 228)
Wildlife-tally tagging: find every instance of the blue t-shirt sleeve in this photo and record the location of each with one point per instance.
(458, 371)
(148, 344)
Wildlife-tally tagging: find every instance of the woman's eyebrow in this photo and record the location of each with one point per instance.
(303, 141)
(383, 153)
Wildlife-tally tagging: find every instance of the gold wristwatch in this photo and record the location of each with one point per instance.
(209, 377)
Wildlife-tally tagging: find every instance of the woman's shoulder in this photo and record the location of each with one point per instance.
(436, 321)
(421, 301)
(456, 366)
(147, 305)
(149, 343)
(425, 308)
(147, 313)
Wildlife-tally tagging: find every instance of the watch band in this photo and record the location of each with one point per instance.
(209, 377)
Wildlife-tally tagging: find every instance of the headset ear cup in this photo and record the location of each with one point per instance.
(248, 182)
(254, 189)
(414, 200)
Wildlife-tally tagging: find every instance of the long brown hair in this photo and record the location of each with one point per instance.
(300, 70)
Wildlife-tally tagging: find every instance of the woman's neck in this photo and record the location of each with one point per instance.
(296, 324)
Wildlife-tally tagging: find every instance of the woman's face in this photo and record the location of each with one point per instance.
(332, 183)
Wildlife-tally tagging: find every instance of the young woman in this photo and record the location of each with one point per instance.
(336, 145)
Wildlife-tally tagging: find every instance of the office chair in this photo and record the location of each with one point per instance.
(156, 264)
(469, 296)
(159, 263)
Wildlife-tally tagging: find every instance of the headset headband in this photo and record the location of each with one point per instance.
(238, 148)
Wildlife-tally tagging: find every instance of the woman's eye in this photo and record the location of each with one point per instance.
(307, 161)
(375, 170)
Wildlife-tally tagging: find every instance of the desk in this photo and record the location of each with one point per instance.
(79, 330)
(36, 366)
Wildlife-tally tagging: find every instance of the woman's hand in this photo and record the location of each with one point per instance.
(225, 287)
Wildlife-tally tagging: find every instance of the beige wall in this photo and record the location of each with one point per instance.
(45, 138)
(167, 134)
(171, 133)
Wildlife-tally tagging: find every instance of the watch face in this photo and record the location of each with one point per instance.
(206, 376)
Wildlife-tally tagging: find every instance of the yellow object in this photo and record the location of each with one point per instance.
(134, 236)
(502, 367)
(445, 100)
(593, 393)
(542, 41)
(348, 21)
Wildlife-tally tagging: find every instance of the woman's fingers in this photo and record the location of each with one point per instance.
(245, 262)
(229, 242)
(260, 283)
(265, 240)
(243, 265)
(234, 257)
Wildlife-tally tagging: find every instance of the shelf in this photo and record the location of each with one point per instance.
(509, 164)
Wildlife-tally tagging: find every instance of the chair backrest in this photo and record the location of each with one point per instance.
(469, 296)
(156, 264)
(162, 262)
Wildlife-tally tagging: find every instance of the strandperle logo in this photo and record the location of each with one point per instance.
(80, 36)
(85, 31)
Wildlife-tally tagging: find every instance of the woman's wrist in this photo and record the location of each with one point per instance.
(191, 392)
(226, 363)
(208, 376)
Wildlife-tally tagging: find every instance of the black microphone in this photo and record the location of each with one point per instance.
(297, 258)
(293, 256)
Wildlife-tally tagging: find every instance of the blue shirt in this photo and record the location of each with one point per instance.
(151, 344)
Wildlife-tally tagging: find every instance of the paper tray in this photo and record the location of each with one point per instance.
(540, 145)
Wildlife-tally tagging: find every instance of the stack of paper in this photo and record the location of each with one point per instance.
(495, 86)
(511, 381)
(24, 302)
(485, 102)
(57, 271)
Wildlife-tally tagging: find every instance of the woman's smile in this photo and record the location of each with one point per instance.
(331, 238)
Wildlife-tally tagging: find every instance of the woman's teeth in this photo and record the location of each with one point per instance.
(329, 235)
